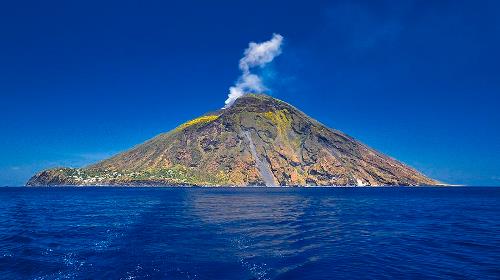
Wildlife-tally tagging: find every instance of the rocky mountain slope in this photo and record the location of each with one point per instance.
(259, 140)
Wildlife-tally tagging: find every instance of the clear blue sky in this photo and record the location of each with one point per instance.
(417, 80)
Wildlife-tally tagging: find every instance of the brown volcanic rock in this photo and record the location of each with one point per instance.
(259, 140)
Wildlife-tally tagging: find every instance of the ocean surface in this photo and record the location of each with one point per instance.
(250, 233)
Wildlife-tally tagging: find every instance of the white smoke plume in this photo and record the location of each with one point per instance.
(256, 55)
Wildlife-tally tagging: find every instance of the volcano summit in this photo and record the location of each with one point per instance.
(259, 140)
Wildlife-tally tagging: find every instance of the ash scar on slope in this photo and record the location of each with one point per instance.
(262, 166)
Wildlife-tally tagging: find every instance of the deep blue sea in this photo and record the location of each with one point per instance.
(250, 233)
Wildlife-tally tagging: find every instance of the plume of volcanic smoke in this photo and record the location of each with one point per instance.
(256, 55)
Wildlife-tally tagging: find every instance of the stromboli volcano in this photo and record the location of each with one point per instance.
(259, 140)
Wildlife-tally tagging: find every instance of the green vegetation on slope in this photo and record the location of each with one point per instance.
(200, 120)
